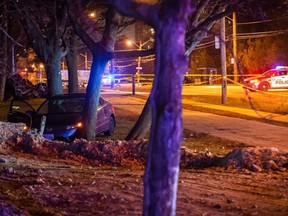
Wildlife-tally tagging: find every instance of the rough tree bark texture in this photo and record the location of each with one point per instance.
(71, 59)
(161, 175)
(3, 53)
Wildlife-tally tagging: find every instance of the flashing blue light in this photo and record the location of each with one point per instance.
(281, 67)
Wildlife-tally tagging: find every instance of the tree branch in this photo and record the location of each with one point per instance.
(199, 10)
(74, 16)
(11, 38)
(145, 12)
(61, 18)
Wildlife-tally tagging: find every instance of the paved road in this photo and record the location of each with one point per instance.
(249, 132)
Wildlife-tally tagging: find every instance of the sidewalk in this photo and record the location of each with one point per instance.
(252, 133)
(243, 111)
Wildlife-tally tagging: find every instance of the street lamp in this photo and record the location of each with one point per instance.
(92, 15)
(85, 60)
(139, 47)
(41, 66)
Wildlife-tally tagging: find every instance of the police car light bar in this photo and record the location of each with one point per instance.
(281, 67)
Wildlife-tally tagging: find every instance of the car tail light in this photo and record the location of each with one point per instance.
(79, 125)
(25, 128)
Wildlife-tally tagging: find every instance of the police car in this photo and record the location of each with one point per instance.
(271, 79)
(107, 79)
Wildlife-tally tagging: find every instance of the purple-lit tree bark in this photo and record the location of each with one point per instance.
(161, 175)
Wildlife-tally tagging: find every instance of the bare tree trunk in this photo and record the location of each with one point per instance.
(3, 54)
(162, 168)
(93, 94)
(53, 71)
(71, 59)
(143, 123)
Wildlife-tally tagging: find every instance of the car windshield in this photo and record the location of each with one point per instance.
(62, 105)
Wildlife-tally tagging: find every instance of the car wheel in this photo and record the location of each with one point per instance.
(264, 86)
(110, 132)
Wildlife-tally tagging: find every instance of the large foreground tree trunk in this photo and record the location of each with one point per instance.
(162, 168)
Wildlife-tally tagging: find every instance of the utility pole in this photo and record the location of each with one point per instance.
(112, 73)
(139, 64)
(63, 64)
(86, 61)
(223, 60)
(235, 71)
(13, 67)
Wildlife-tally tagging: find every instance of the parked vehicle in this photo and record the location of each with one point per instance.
(271, 79)
(107, 79)
(63, 116)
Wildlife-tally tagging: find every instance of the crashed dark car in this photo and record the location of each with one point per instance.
(63, 116)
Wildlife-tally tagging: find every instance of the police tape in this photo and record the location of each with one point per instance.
(197, 83)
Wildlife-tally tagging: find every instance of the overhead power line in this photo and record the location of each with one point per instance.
(261, 21)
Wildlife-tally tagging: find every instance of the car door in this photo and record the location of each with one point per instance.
(280, 80)
(20, 111)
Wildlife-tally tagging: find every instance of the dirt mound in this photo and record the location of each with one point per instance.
(7, 130)
(118, 152)
(256, 159)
